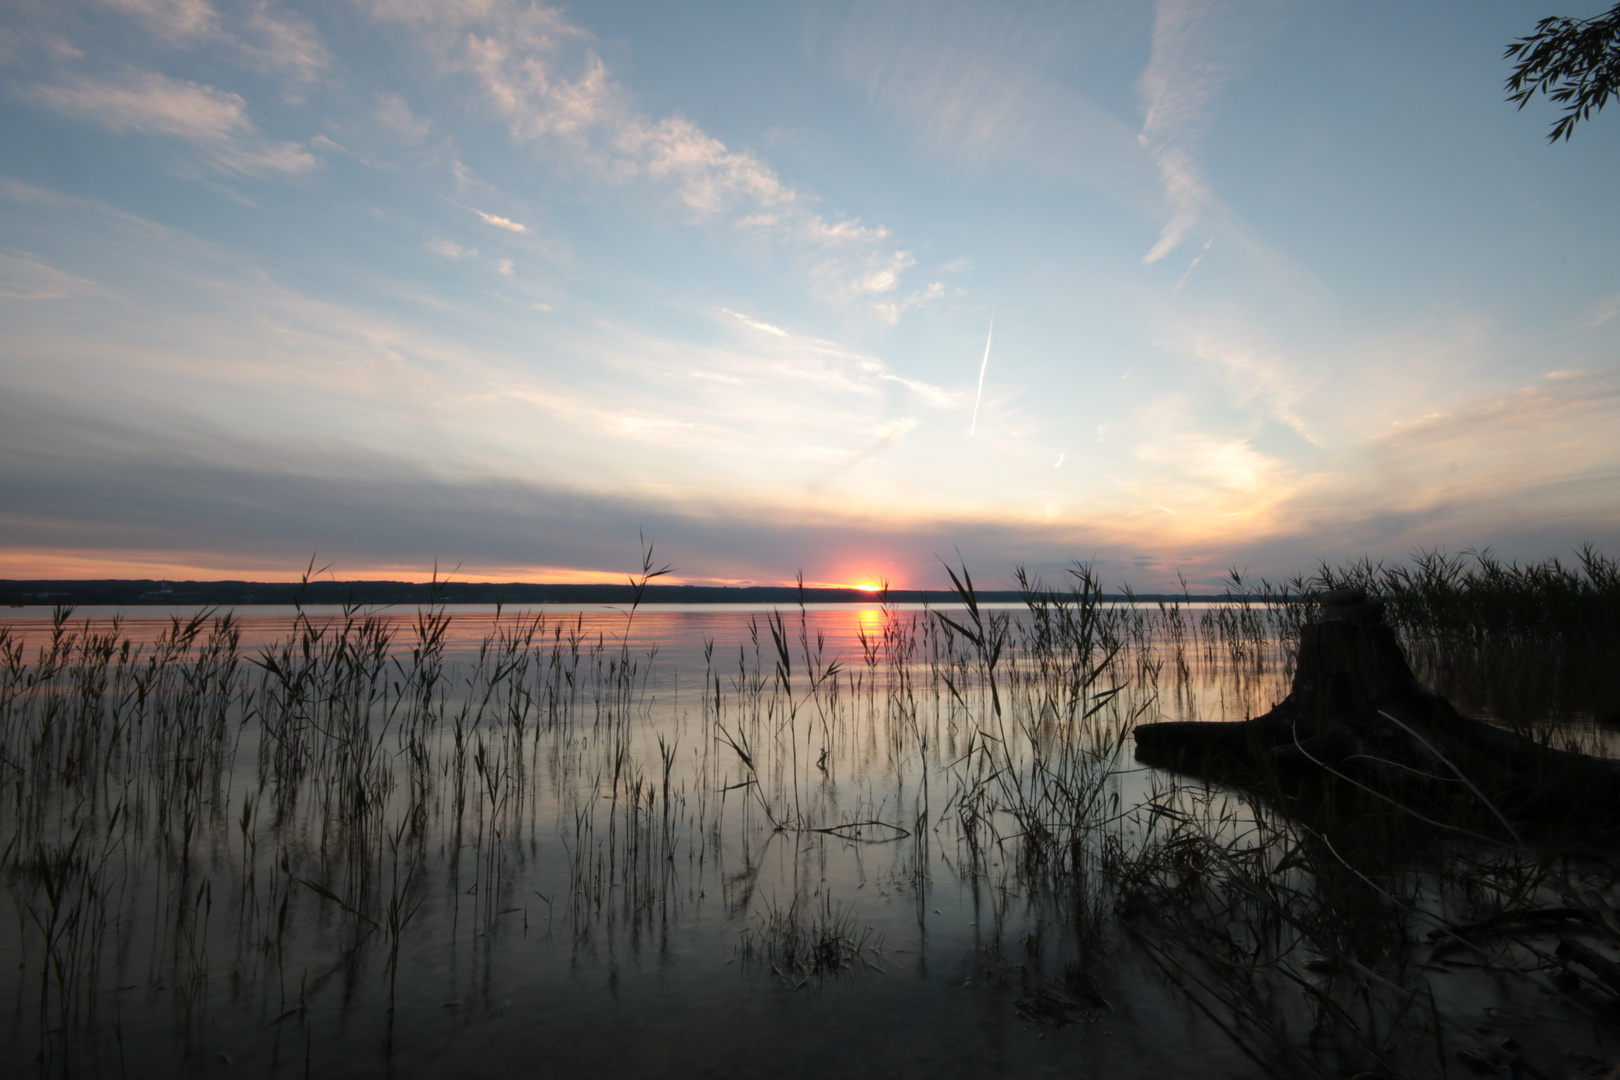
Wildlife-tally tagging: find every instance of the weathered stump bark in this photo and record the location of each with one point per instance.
(1356, 713)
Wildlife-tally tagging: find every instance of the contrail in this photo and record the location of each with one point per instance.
(982, 365)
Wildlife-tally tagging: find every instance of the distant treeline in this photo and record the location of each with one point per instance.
(372, 593)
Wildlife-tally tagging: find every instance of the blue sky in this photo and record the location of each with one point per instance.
(500, 285)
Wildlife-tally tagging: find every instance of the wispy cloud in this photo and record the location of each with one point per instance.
(502, 223)
(572, 362)
(268, 37)
(930, 393)
(891, 310)
(1193, 265)
(280, 40)
(24, 277)
(1254, 374)
(707, 176)
(1602, 312)
(978, 85)
(148, 102)
(1216, 482)
(394, 114)
(537, 70)
(1177, 86)
(745, 424)
(449, 249)
(1512, 440)
(214, 121)
(888, 434)
(617, 411)
(179, 21)
(762, 327)
(1198, 49)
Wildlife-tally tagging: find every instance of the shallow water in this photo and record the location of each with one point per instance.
(663, 843)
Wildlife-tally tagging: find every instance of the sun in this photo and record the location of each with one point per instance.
(861, 581)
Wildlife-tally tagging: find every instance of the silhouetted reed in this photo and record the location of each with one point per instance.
(183, 815)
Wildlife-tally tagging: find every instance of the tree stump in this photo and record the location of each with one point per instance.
(1357, 714)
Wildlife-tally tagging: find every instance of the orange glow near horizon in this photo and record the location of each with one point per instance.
(58, 565)
(92, 565)
(861, 582)
(824, 585)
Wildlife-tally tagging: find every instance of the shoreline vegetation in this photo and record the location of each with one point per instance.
(269, 854)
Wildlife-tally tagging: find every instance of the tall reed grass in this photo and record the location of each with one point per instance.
(194, 822)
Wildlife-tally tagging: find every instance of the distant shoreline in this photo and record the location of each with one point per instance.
(149, 593)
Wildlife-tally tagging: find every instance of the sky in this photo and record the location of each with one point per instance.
(832, 288)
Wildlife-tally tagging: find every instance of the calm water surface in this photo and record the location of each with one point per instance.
(569, 841)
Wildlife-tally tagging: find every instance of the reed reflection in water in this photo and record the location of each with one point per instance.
(716, 840)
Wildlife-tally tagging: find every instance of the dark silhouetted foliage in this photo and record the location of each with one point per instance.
(1575, 62)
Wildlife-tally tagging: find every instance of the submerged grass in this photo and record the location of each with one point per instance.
(202, 825)
(799, 946)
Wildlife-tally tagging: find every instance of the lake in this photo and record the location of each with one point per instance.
(685, 840)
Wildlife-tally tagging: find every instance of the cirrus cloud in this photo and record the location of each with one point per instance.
(537, 70)
(214, 121)
(502, 223)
